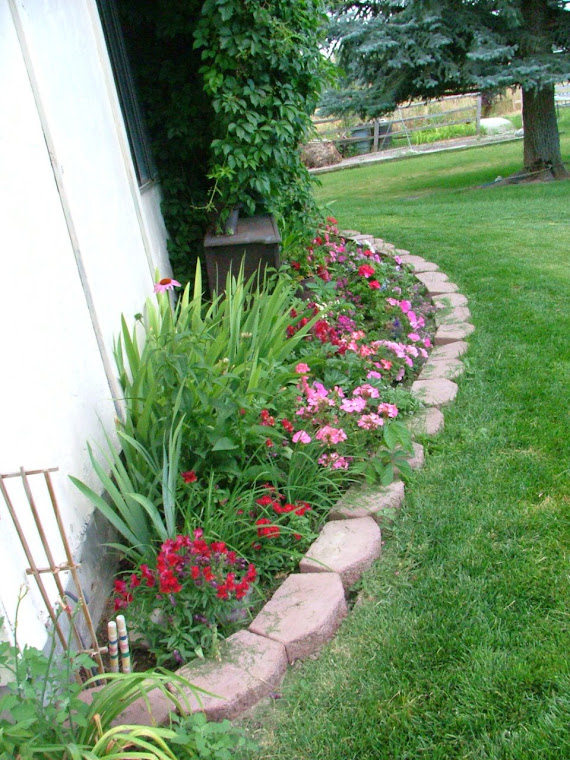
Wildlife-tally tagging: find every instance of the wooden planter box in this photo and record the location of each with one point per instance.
(256, 242)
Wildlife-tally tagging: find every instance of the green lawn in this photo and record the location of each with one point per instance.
(460, 648)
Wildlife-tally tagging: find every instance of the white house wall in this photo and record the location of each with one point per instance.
(78, 246)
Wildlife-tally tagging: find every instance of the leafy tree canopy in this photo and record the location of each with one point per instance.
(392, 51)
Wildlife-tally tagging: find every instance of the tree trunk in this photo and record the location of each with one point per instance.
(541, 138)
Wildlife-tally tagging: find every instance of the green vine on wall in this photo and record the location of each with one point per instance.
(228, 87)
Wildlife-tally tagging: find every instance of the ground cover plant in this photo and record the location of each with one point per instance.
(246, 418)
(44, 715)
(459, 647)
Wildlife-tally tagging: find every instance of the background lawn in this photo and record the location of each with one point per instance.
(460, 646)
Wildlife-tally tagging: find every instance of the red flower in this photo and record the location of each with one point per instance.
(268, 443)
(374, 284)
(366, 270)
(222, 592)
(271, 531)
(189, 476)
(331, 220)
(169, 583)
(302, 507)
(242, 589)
(195, 572)
(287, 426)
(135, 580)
(264, 501)
(298, 536)
(295, 265)
(266, 418)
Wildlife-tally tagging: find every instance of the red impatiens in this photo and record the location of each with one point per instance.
(190, 565)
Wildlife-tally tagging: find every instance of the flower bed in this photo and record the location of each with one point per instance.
(246, 420)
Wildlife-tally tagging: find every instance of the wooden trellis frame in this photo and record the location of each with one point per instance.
(54, 568)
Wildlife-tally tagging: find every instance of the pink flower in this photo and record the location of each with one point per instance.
(373, 375)
(405, 306)
(329, 434)
(334, 461)
(388, 410)
(166, 284)
(353, 405)
(374, 284)
(427, 342)
(414, 336)
(398, 260)
(301, 437)
(366, 391)
(370, 421)
(302, 368)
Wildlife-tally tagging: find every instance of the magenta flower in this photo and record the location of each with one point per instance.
(301, 437)
(166, 284)
(405, 306)
(413, 336)
(373, 375)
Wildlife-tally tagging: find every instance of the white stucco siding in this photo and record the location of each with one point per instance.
(78, 247)
(95, 177)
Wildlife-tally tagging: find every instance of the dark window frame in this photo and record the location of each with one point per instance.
(139, 142)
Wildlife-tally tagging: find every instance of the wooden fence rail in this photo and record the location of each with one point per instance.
(379, 132)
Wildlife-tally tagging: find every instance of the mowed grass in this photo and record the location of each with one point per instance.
(460, 647)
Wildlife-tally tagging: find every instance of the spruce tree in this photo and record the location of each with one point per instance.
(393, 51)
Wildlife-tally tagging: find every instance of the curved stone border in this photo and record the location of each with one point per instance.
(308, 607)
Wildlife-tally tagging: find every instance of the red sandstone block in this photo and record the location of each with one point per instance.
(364, 501)
(449, 350)
(251, 667)
(436, 392)
(346, 547)
(428, 421)
(450, 333)
(303, 613)
(447, 368)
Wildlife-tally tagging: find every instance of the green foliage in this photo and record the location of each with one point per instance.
(228, 88)
(44, 718)
(194, 394)
(263, 70)
(393, 51)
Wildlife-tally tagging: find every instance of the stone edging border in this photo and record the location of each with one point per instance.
(309, 606)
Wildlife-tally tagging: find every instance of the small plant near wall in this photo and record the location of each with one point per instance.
(48, 713)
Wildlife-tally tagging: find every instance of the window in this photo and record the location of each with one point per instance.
(132, 113)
